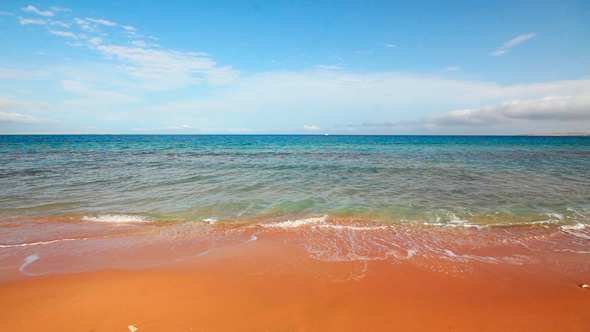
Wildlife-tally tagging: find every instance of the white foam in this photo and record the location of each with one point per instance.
(296, 223)
(205, 252)
(353, 228)
(456, 220)
(211, 221)
(555, 216)
(116, 218)
(577, 226)
(576, 230)
(452, 221)
(580, 235)
(251, 239)
(37, 243)
(30, 259)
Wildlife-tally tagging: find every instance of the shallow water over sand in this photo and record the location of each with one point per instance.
(51, 245)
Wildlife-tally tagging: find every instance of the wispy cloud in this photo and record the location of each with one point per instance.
(95, 97)
(85, 25)
(192, 129)
(61, 24)
(38, 21)
(308, 127)
(449, 69)
(511, 43)
(101, 21)
(13, 117)
(63, 34)
(33, 9)
(387, 125)
(11, 112)
(95, 41)
(8, 73)
(183, 127)
(331, 67)
(390, 46)
(19, 118)
(142, 43)
(147, 65)
(168, 68)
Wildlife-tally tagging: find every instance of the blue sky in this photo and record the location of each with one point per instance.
(294, 67)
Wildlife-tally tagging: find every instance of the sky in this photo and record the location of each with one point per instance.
(295, 67)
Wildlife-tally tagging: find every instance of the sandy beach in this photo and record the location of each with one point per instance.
(272, 284)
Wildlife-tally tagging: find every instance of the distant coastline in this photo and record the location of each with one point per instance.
(559, 134)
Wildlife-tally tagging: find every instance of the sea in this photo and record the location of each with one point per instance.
(84, 202)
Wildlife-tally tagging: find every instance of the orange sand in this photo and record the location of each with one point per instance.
(271, 285)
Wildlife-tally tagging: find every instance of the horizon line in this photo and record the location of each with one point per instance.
(564, 134)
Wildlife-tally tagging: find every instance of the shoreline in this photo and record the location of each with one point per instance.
(272, 283)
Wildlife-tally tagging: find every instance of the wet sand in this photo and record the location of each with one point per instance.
(272, 284)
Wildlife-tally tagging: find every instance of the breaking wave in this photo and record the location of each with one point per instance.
(117, 218)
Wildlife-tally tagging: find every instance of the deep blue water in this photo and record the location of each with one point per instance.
(407, 179)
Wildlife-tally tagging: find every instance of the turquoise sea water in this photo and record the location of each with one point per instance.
(395, 179)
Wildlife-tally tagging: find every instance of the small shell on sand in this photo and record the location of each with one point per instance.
(584, 286)
(132, 328)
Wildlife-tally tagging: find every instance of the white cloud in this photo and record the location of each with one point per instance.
(163, 69)
(25, 21)
(181, 127)
(6, 103)
(96, 97)
(387, 125)
(13, 117)
(15, 74)
(554, 108)
(498, 52)
(61, 24)
(149, 66)
(192, 129)
(449, 69)
(518, 40)
(18, 118)
(308, 127)
(139, 43)
(59, 9)
(511, 43)
(100, 21)
(33, 9)
(63, 34)
(85, 25)
(390, 46)
(11, 111)
(95, 40)
(375, 102)
(323, 67)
